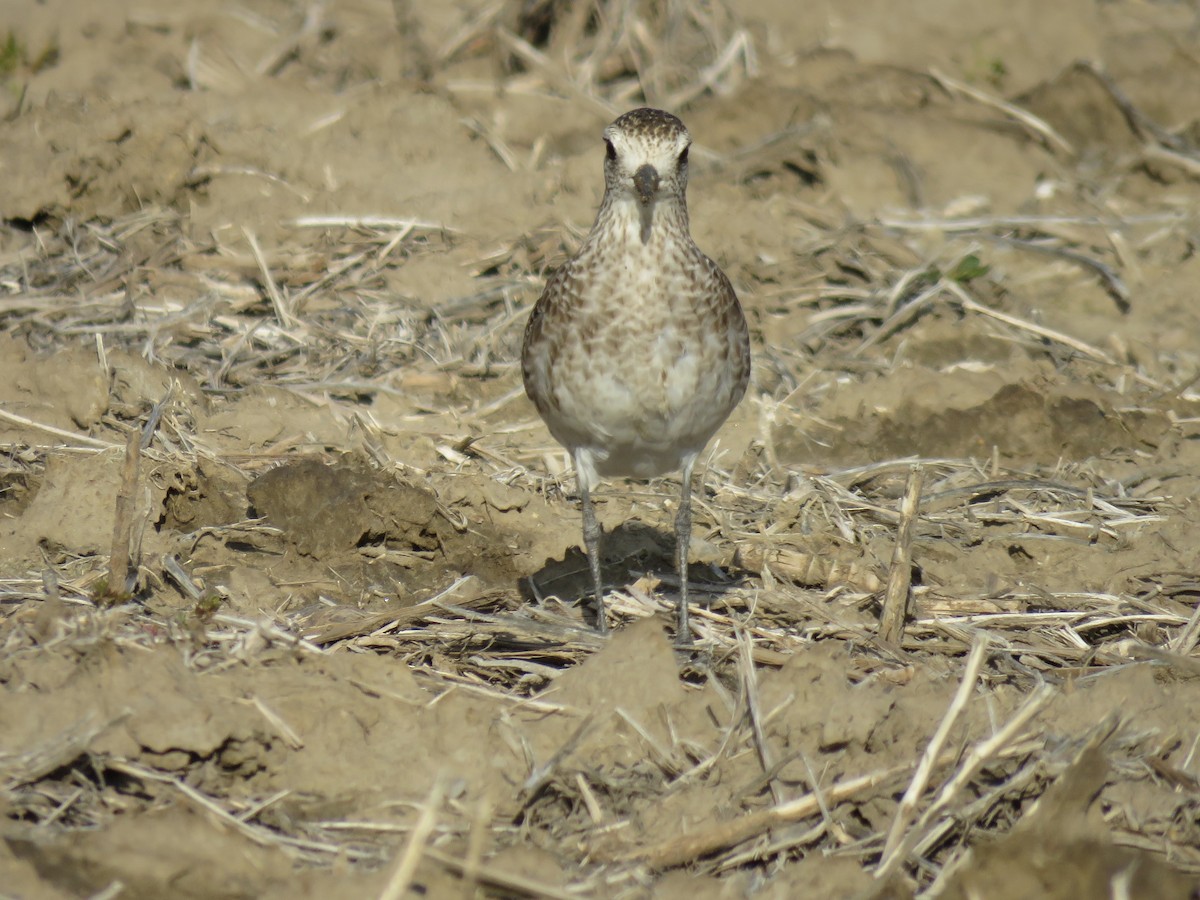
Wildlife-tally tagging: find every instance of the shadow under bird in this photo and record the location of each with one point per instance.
(637, 350)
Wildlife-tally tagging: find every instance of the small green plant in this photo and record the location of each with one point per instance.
(996, 71)
(968, 269)
(15, 56)
(104, 596)
(10, 55)
(207, 605)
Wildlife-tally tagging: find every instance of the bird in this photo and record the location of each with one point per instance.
(637, 350)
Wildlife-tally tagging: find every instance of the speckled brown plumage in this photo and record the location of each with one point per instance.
(637, 350)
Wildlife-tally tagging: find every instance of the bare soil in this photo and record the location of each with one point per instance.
(289, 565)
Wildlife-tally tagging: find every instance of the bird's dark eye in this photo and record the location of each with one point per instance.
(610, 151)
(683, 156)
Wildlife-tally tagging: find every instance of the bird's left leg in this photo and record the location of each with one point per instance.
(683, 540)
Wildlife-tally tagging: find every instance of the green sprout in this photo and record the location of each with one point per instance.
(968, 269)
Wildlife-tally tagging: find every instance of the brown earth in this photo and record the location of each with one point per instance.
(263, 275)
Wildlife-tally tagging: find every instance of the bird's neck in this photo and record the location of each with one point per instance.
(626, 223)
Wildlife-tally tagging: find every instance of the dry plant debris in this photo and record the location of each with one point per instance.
(288, 565)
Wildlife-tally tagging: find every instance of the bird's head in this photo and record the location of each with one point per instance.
(646, 156)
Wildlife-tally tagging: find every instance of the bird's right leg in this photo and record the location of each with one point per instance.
(591, 538)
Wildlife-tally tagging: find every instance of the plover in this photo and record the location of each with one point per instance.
(637, 351)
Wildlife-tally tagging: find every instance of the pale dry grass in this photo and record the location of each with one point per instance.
(233, 321)
(819, 575)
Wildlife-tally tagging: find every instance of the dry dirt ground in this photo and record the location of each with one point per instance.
(288, 564)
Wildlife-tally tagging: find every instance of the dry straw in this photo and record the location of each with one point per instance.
(808, 554)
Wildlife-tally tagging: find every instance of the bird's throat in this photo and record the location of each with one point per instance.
(645, 217)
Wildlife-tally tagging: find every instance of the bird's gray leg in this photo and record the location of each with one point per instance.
(683, 540)
(591, 540)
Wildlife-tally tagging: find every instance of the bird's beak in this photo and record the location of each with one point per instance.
(645, 180)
